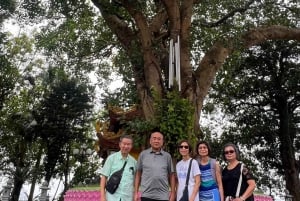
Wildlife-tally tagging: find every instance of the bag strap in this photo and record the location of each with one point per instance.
(213, 169)
(124, 165)
(188, 173)
(237, 194)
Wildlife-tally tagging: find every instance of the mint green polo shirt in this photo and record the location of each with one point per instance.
(113, 163)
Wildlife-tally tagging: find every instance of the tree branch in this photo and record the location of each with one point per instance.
(158, 21)
(216, 56)
(228, 15)
(118, 26)
(172, 9)
(275, 32)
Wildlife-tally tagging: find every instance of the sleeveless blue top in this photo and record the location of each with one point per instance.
(208, 181)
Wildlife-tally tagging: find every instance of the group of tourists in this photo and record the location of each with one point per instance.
(154, 177)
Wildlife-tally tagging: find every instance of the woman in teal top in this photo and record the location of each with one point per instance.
(211, 188)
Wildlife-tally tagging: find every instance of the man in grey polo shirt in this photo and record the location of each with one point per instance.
(155, 172)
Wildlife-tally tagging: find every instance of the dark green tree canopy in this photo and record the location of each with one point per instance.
(261, 94)
(63, 116)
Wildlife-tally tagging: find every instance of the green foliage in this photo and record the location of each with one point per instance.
(175, 118)
(82, 38)
(7, 7)
(63, 116)
(87, 187)
(33, 9)
(141, 130)
(8, 78)
(20, 46)
(255, 91)
(122, 96)
(85, 172)
(20, 146)
(9, 74)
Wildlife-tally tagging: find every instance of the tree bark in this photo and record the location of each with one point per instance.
(287, 153)
(18, 183)
(34, 175)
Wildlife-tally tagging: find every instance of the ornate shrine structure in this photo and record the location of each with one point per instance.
(109, 132)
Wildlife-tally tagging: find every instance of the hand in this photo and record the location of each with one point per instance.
(136, 197)
(238, 199)
(172, 196)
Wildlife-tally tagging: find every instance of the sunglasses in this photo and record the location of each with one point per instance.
(182, 146)
(229, 152)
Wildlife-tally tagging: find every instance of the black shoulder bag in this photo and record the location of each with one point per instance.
(185, 194)
(114, 180)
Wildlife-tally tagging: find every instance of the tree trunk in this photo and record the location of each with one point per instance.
(18, 183)
(34, 176)
(287, 153)
(66, 173)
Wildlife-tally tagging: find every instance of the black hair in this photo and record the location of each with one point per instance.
(127, 137)
(155, 130)
(189, 144)
(206, 144)
(235, 147)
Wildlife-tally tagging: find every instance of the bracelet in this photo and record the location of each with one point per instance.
(242, 198)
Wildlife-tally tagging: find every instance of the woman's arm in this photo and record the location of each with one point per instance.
(249, 191)
(219, 181)
(196, 188)
(251, 184)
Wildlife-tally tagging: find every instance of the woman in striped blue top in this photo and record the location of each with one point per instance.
(211, 188)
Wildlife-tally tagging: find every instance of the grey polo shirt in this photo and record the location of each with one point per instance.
(155, 169)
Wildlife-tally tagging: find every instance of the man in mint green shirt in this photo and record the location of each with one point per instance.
(115, 162)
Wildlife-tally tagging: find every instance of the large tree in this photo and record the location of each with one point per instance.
(216, 29)
(260, 94)
(140, 31)
(63, 118)
(209, 33)
(144, 29)
(135, 35)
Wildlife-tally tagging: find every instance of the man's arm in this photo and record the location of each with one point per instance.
(137, 182)
(102, 187)
(173, 186)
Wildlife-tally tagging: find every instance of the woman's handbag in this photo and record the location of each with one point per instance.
(185, 194)
(114, 180)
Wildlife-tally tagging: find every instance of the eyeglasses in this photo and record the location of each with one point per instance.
(182, 146)
(229, 152)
